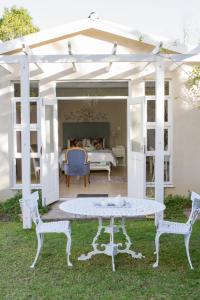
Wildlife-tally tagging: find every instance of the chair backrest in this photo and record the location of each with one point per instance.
(76, 156)
(195, 198)
(32, 203)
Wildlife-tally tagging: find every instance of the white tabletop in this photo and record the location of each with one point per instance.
(88, 207)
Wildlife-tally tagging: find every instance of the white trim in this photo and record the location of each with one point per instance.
(75, 27)
(167, 125)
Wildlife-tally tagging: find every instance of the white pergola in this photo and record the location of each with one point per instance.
(155, 57)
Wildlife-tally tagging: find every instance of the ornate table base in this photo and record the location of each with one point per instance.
(111, 248)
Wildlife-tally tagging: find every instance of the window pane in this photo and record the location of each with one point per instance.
(35, 170)
(18, 170)
(33, 112)
(167, 168)
(67, 89)
(33, 142)
(150, 192)
(166, 111)
(150, 139)
(150, 169)
(166, 140)
(49, 129)
(150, 88)
(18, 142)
(18, 113)
(17, 89)
(136, 138)
(166, 88)
(34, 89)
(151, 111)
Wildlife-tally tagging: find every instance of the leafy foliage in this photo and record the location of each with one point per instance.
(10, 209)
(16, 22)
(194, 77)
(175, 206)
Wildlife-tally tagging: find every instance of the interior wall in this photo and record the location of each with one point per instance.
(100, 111)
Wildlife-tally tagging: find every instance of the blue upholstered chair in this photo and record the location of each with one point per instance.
(76, 164)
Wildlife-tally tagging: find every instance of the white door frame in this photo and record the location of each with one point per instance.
(50, 181)
(136, 154)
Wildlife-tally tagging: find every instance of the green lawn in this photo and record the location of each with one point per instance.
(94, 279)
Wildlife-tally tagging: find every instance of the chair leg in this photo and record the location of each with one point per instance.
(187, 242)
(68, 247)
(40, 243)
(68, 180)
(157, 244)
(85, 181)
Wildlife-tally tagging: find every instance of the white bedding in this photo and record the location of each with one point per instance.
(96, 156)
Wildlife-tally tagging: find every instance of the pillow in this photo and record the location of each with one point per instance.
(98, 143)
(74, 142)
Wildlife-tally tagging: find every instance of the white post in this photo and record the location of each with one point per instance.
(25, 117)
(159, 153)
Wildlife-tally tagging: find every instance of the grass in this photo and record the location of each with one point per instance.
(94, 279)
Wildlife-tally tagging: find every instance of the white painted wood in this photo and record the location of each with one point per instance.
(100, 58)
(28, 51)
(81, 25)
(25, 117)
(49, 136)
(135, 147)
(159, 152)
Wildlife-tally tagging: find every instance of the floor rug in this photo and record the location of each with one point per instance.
(104, 179)
(91, 195)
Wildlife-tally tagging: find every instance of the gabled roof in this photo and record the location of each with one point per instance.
(49, 35)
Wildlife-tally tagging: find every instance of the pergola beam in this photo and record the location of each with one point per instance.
(99, 58)
(114, 51)
(27, 50)
(75, 69)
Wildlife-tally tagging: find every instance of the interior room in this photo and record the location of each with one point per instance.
(98, 126)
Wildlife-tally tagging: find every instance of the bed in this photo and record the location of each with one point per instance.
(94, 137)
(99, 160)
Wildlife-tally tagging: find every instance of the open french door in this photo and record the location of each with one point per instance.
(135, 147)
(49, 135)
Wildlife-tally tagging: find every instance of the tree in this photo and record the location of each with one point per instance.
(16, 22)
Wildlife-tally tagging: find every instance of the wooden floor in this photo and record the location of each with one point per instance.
(99, 184)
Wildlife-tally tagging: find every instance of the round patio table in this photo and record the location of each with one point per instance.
(111, 207)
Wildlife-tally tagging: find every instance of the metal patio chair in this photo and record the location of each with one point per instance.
(47, 227)
(184, 229)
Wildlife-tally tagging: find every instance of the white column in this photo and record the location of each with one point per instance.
(25, 117)
(159, 153)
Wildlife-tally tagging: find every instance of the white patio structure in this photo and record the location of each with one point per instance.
(176, 56)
